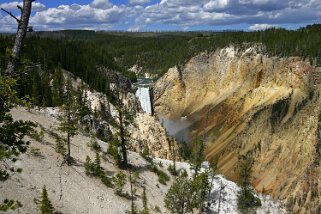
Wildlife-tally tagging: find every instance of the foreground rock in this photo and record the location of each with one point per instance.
(73, 192)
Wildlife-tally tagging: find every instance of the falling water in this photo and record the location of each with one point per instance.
(143, 94)
(177, 128)
(144, 98)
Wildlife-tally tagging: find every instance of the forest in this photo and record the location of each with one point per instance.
(81, 52)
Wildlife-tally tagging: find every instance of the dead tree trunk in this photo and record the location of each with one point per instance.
(172, 144)
(122, 131)
(131, 192)
(220, 198)
(21, 33)
(122, 139)
(20, 36)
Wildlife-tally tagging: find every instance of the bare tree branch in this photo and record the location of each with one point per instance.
(26, 69)
(20, 8)
(10, 14)
(20, 36)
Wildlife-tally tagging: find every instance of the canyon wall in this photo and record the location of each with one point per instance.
(244, 102)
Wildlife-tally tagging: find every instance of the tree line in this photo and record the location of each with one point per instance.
(81, 52)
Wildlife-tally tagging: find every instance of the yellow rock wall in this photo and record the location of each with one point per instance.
(245, 102)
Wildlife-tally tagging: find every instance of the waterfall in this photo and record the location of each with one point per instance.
(143, 95)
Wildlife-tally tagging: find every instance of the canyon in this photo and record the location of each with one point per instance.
(241, 101)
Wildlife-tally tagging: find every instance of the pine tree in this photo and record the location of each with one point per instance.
(124, 118)
(88, 166)
(45, 206)
(58, 89)
(12, 133)
(199, 187)
(212, 173)
(187, 194)
(177, 196)
(83, 104)
(113, 151)
(132, 194)
(68, 119)
(173, 170)
(246, 200)
(36, 89)
(145, 202)
(60, 145)
(122, 133)
(197, 155)
(98, 168)
(46, 90)
(119, 181)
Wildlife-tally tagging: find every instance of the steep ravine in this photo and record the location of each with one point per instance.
(243, 101)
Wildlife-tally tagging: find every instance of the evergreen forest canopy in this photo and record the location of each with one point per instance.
(80, 52)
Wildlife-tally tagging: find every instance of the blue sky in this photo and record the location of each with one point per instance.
(166, 15)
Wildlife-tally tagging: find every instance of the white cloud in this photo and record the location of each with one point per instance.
(134, 29)
(139, 2)
(81, 15)
(177, 14)
(258, 27)
(102, 4)
(8, 24)
(227, 12)
(216, 5)
(12, 6)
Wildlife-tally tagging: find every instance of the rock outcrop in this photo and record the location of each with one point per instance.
(242, 101)
(148, 131)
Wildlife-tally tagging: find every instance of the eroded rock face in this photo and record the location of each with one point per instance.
(243, 101)
(149, 131)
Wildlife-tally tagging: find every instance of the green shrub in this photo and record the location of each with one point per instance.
(88, 166)
(10, 204)
(45, 205)
(162, 176)
(145, 202)
(172, 169)
(145, 152)
(134, 210)
(38, 136)
(113, 151)
(94, 145)
(4, 175)
(35, 152)
(94, 169)
(106, 180)
(157, 209)
(135, 177)
(119, 181)
(60, 145)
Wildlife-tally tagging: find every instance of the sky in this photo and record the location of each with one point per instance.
(165, 15)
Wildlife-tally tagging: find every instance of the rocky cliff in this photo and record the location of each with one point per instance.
(148, 131)
(241, 101)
